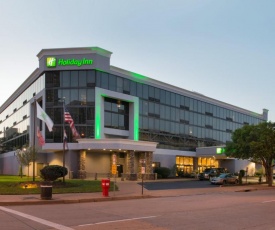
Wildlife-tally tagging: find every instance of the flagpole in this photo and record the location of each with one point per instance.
(63, 100)
(33, 149)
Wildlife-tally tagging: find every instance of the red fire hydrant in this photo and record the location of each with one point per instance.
(105, 184)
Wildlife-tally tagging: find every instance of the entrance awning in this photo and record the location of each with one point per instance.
(113, 144)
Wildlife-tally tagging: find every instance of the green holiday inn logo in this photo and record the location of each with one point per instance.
(52, 62)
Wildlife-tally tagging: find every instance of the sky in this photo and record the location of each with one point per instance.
(219, 48)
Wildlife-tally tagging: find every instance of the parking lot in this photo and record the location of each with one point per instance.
(188, 183)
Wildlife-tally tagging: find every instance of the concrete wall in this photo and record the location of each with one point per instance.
(228, 164)
(98, 162)
(243, 164)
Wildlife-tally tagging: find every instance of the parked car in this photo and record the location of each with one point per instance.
(225, 178)
(211, 172)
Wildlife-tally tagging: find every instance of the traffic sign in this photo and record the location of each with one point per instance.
(114, 169)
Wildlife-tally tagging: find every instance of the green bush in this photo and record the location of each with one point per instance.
(180, 174)
(53, 172)
(162, 172)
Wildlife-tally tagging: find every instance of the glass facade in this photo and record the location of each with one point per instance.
(207, 162)
(184, 165)
(177, 121)
(14, 120)
(77, 88)
(174, 121)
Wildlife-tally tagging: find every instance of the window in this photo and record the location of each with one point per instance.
(119, 84)
(112, 82)
(74, 78)
(145, 91)
(116, 117)
(90, 96)
(133, 88)
(65, 79)
(91, 78)
(74, 97)
(82, 96)
(126, 86)
(162, 96)
(151, 93)
(104, 80)
(167, 98)
(82, 79)
(139, 90)
(173, 99)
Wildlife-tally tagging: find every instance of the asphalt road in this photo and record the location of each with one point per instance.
(229, 210)
(161, 185)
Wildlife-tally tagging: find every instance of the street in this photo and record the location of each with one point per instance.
(226, 210)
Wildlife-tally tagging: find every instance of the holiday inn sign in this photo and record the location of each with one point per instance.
(52, 62)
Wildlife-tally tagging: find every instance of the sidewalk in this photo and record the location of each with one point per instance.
(127, 190)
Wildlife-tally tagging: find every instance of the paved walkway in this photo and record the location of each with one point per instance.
(127, 190)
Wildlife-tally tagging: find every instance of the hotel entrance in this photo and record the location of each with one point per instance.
(119, 169)
(184, 165)
(207, 162)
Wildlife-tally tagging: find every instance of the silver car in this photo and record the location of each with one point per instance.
(225, 178)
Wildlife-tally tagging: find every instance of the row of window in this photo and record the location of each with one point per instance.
(92, 78)
(159, 108)
(19, 109)
(173, 128)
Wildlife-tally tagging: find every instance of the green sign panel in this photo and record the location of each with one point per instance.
(52, 62)
(220, 150)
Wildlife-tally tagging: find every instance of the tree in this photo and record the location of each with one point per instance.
(25, 157)
(255, 143)
(21, 160)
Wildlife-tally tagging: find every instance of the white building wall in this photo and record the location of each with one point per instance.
(243, 164)
(8, 164)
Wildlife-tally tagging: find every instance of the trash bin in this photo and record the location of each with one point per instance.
(46, 192)
(105, 184)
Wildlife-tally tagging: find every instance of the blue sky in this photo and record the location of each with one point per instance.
(222, 49)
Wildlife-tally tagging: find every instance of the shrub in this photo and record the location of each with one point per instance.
(242, 173)
(53, 172)
(162, 172)
(180, 173)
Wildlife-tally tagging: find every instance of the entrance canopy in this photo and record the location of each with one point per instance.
(108, 144)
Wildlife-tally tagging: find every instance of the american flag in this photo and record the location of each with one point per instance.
(41, 140)
(68, 118)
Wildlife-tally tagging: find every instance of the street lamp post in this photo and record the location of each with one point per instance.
(63, 104)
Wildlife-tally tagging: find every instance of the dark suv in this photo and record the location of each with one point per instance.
(211, 172)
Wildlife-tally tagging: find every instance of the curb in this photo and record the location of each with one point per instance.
(39, 202)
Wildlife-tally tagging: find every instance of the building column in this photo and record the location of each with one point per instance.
(131, 175)
(149, 162)
(82, 164)
(146, 160)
